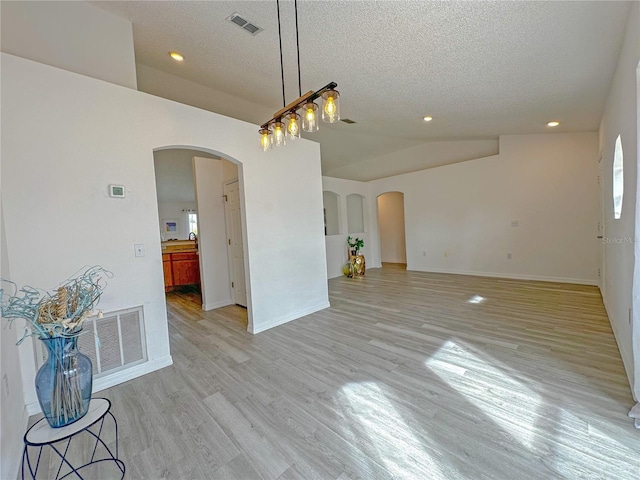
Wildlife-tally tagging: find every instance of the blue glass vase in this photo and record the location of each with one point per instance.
(64, 382)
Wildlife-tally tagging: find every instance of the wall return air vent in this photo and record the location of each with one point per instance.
(243, 23)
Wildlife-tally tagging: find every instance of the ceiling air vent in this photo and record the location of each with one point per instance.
(243, 23)
(347, 120)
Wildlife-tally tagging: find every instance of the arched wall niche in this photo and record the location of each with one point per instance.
(356, 213)
(332, 217)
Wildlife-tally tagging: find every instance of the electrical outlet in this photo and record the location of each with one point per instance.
(515, 223)
(139, 249)
(508, 256)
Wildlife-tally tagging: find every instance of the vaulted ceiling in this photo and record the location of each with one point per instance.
(480, 69)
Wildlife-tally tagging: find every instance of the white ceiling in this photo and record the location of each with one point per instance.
(481, 69)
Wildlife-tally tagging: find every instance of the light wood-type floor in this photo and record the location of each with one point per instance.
(408, 375)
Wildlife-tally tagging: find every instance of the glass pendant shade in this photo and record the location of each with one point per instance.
(278, 134)
(310, 117)
(293, 125)
(265, 139)
(331, 106)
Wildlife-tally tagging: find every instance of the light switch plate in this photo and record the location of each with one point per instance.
(139, 249)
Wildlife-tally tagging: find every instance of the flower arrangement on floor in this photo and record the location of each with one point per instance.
(355, 245)
(64, 382)
(355, 261)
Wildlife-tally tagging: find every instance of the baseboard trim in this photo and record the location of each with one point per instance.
(623, 353)
(288, 318)
(511, 276)
(117, 378)
(211, 306)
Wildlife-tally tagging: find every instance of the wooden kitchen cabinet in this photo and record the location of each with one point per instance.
(185, 268)
(180, 269)
(168, 274)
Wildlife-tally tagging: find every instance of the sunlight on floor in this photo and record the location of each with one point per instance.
(476, 299)
(569, 424)
(504, 400)
(393, 441)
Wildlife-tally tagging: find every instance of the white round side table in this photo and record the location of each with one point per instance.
(41, 435)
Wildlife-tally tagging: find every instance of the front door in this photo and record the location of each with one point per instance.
(235, 250)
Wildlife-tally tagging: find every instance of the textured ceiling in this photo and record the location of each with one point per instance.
(481, 69)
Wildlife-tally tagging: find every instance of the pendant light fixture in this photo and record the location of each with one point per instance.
(278, 134)
(265, 139)
(286, 122)
(293, 125)
(310, 119)
(331, 107)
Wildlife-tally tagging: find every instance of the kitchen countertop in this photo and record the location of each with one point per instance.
(179, 246)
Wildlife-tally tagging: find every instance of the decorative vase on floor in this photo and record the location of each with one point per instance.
(64, 382)
(347, 270)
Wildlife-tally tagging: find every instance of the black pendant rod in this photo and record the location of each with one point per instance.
(284, 102)
(295, 4)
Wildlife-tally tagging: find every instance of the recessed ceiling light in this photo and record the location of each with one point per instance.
(427, 119)
(553, 124)
(176, 56)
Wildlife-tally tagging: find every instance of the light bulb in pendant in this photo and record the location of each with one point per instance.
(293, 125)
(278, 134)
(310, 117)
(331, 108)
(265, 139)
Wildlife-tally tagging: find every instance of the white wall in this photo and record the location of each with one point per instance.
(621, 118)
(75, 36)
(175, 211)
(458, 217)
(170, 86)
(418, 157)
(391, 226)
(336, 245)
(636, 274)
(13, 414)
(174, 175)
(58, 157)
(355, 213)
(175, 188)
(212, 235)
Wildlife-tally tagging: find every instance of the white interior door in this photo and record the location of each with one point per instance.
(234, 243)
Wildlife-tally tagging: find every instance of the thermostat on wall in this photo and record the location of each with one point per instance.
(116, 191)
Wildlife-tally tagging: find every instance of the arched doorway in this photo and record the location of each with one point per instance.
(391, 228)
(210, 175)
